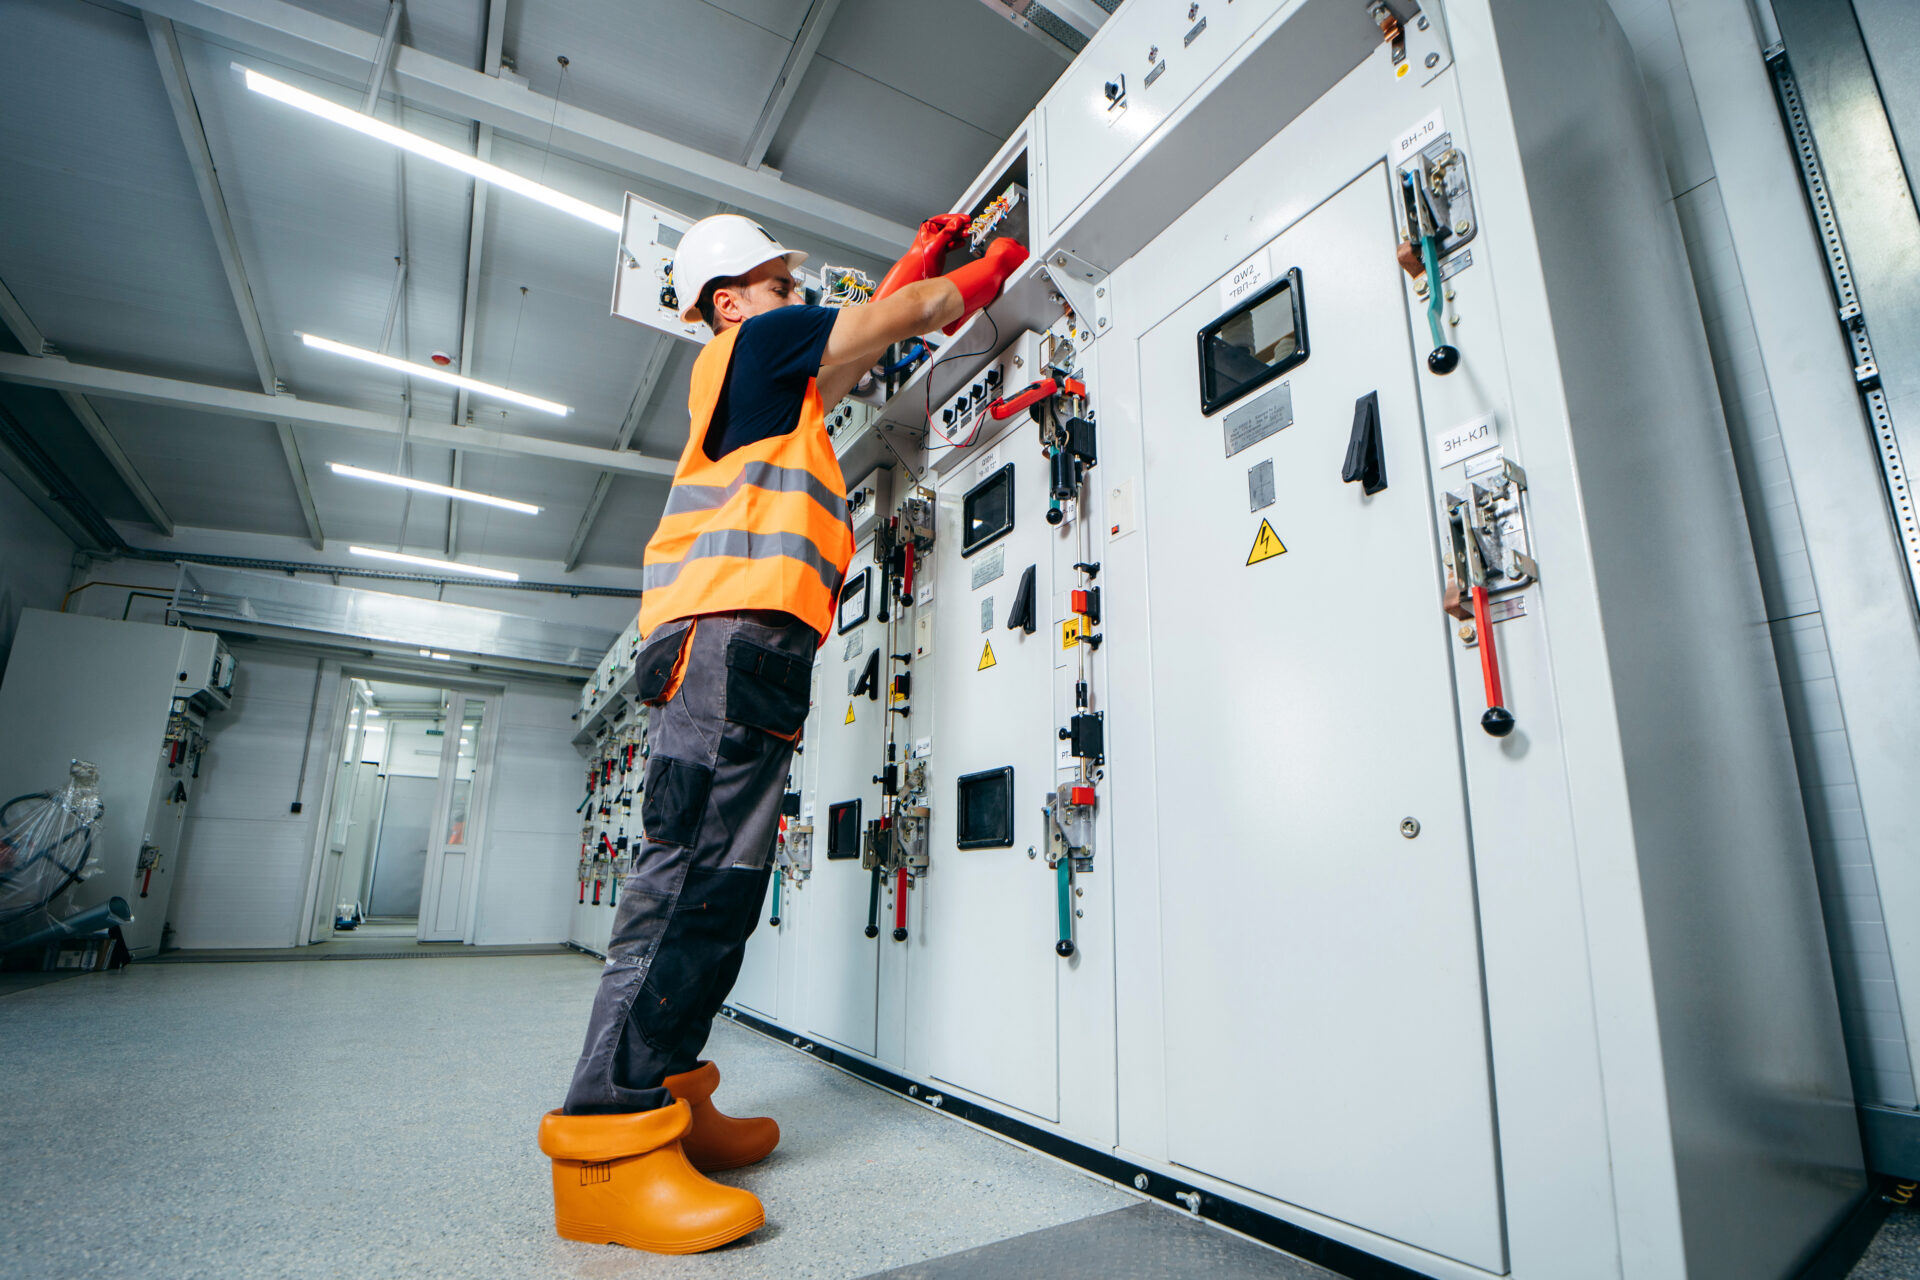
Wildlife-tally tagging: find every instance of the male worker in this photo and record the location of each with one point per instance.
(740, 585)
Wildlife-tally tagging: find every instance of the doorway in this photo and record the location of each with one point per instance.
(402, 840)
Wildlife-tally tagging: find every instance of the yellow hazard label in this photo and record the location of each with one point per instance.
(986, 657)
(1070, 632)
(1266, 545)
(849, 719)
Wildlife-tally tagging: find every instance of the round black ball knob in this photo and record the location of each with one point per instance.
(1055, 515)
(873, 931)
(899, 935)
(1498, 721)
(1064, 946)
(774, 921)
(1443, 360)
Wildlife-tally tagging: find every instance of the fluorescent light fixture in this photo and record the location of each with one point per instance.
(360, 122)
(430, 563)
(373, 711)
(441, 657)
(428, 486)
(435, 374)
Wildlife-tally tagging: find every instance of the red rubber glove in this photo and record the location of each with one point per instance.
(980, 282)
(928, 253)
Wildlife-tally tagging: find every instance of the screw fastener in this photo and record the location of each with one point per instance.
(1433, 60)
(1409, 827)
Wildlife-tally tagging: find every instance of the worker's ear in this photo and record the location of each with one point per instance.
(730, 303)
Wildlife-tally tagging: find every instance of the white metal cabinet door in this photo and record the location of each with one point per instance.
(988, 924)
(1324, 1005)
(843, 742)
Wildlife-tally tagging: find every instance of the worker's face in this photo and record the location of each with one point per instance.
(769, 286)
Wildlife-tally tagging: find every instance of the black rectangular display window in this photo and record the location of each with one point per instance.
(843, 829)
(986, 809)
(1254, 343)
(987, 512)
(855, 601)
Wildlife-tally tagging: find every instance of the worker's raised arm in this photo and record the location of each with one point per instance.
(861, 333)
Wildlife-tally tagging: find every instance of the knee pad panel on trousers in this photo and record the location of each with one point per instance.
(676, 797)
(716, 909)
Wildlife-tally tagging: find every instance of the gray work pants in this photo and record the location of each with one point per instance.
(719, 749)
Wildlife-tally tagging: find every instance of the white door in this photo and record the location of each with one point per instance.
(844, 751)
(990, 922)
(346, 815)
(1318, 963)
(454, 840)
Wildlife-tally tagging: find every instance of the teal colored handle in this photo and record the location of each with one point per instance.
(1431, 256)
(1063, 877)
(873, 905)
(774, 919)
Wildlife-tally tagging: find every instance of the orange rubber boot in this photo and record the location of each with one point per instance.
(623, 1179)
(719, 1141)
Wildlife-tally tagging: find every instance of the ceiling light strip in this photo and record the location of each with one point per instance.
(380, 130)
(428, 486)
(429, 563)
(435, 374)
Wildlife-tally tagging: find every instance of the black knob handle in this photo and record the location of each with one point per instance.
(774, 921)
(899, 935)
(873, 931)
(1064, 947)
(1066, 735)
(1113, 90)
(1498, 721)
(1055, 515)
(1443, 359)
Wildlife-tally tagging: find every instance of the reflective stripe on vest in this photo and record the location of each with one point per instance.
(763, 528)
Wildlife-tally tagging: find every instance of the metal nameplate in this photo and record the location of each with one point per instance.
(1260, 485)
(989, 566)
(1251, 423)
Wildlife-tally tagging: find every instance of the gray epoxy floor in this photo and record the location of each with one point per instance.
(376, 1119)
(1895, 1251)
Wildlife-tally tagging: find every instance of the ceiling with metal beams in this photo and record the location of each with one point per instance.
(166, 235)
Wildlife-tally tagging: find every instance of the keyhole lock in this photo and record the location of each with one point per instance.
(1409, 827)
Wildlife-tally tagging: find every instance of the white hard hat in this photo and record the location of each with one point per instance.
(718, 248)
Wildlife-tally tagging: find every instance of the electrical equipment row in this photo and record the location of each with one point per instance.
(610, 832)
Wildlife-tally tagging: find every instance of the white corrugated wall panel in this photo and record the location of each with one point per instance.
(1856, 931)
(35, 561)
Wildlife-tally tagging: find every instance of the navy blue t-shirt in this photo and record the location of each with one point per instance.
(774, 356)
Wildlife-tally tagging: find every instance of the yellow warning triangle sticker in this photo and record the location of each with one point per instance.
(986, 657)
(849, 719)
(1266, 545)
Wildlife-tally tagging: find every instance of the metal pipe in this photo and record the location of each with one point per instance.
(348, 571)
(111, 912)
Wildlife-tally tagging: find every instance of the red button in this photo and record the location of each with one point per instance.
(1081, 795)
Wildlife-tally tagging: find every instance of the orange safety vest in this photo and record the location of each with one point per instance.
(763, 528)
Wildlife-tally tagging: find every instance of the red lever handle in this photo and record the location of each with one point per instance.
(1035, 392)
(901, 881)
(1497, 721)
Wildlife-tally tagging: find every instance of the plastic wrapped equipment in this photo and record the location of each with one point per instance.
(46, 847)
